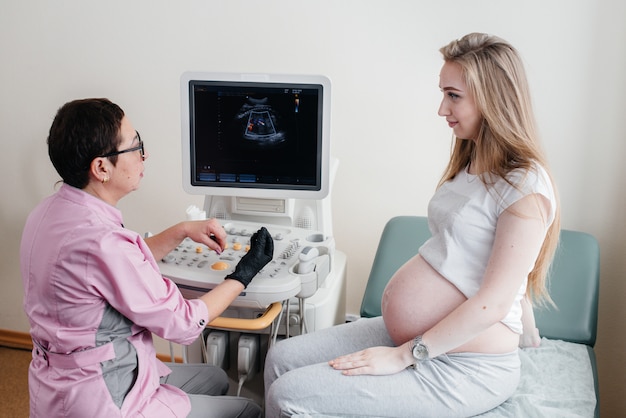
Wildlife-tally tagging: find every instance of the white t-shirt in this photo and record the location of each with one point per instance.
(462, 216)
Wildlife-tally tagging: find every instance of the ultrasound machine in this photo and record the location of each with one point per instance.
(257, 147)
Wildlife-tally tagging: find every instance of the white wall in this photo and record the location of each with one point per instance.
(383, 60)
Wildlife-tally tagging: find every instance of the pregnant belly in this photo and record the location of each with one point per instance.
(415, 299)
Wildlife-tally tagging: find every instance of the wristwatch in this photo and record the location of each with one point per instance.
(419, 350)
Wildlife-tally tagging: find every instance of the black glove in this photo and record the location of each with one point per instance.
(261, 252)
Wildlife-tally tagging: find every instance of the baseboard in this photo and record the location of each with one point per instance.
(15, 339)
(22, 340)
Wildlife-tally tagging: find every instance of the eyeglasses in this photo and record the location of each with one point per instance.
(137, 148)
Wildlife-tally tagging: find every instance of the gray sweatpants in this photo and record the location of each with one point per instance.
(299, 381)
(205, 385)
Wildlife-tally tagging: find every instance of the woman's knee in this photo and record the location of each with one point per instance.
(277, 396)
(278, 356)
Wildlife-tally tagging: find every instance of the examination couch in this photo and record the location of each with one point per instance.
(559, 378)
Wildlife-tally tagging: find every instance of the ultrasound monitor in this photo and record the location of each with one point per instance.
(258, 136)
(257, 147)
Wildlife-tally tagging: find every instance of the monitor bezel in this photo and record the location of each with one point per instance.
(280, 192)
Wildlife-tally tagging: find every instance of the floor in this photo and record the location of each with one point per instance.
(14, 382)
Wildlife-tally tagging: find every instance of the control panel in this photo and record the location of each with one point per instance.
(196, 269)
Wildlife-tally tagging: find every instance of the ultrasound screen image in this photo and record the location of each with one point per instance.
(260, 135)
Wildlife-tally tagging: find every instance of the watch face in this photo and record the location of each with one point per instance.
(420, 352)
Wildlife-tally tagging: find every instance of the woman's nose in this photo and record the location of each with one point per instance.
(443, 109)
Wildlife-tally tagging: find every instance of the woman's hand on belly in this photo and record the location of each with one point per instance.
(374, 361)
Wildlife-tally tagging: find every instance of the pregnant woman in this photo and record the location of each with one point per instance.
(446, 344)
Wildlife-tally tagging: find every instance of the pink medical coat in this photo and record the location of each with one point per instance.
(94, 296)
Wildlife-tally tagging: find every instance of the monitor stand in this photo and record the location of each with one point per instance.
(315, 215)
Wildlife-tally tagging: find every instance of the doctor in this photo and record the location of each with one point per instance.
(94, 294)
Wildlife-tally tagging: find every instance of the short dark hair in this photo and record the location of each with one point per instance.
(82, 130)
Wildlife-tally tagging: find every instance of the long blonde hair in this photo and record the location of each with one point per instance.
(507, 140)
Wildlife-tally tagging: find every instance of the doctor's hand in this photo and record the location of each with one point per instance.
(261, 252)
(208, 232)
(373, 361)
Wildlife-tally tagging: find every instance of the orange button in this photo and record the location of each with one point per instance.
(237, 246)
(220, 265)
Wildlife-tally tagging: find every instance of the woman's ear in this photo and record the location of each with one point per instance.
(99, 170)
